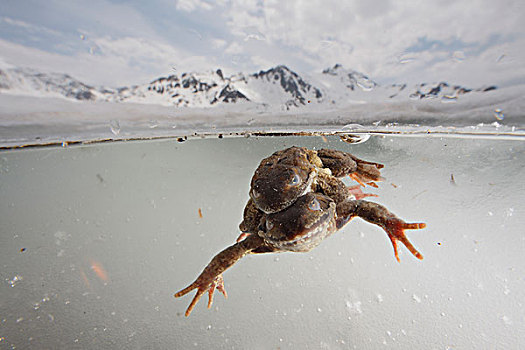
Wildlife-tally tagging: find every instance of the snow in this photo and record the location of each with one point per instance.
(92, 258)
(27, 120)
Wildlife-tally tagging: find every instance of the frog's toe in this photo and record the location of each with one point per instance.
(218, 283)
(242, 236)
(395, 230)
(358, 193)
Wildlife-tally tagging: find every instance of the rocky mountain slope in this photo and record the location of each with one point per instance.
(278, 86)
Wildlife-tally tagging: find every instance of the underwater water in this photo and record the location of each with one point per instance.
(96, 239)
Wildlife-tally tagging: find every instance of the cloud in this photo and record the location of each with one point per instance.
(387, 40)
(192, 5)
(368, 36)
(114, 62)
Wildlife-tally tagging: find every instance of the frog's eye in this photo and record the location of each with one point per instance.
(269, 225)
(295, 180)
(255, 194)
(314, 205)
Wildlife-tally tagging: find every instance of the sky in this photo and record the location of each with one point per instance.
(116, 43)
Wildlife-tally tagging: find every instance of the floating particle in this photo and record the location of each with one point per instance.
(393, 185)
(498, 114)
(114, 126)
(99, 270)
(325, 140)
(22, 250)
(354, 139)
(452, 180)
(200, 213)
(448, 99)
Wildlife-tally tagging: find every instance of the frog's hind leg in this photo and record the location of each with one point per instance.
(211, 277)
(379, 215)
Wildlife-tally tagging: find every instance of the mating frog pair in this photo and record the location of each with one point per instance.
(296, 201)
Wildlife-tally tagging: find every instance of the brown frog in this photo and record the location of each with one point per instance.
(298, 228)
(286, 175)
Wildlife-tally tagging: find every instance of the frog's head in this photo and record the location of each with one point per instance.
(276, 187)
(303, 225)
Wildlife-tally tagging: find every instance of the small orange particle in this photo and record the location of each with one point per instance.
(200, 213)
(99, 270)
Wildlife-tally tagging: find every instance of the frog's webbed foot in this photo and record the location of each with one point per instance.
(358, 193)
(395, 229)
(338, 191)
(367, 173)
(379, 215)
(218, 283)
(202, 285)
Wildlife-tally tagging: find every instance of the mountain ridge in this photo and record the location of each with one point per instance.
(277, 86)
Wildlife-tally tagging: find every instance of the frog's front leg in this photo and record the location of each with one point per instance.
(211, 277)
(379, 215)
(343, 164)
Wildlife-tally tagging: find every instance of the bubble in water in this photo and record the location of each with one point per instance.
(498, 114)
(352, 127)
(153, 124)
(506, 320)
(354, 307)
(459, 56)
(366, 85)
(14, 281)
(406, 59)
(114, 125)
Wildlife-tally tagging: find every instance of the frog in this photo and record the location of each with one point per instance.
(300, 227)
(287, 174)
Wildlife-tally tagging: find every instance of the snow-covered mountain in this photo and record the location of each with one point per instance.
(278, 86)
